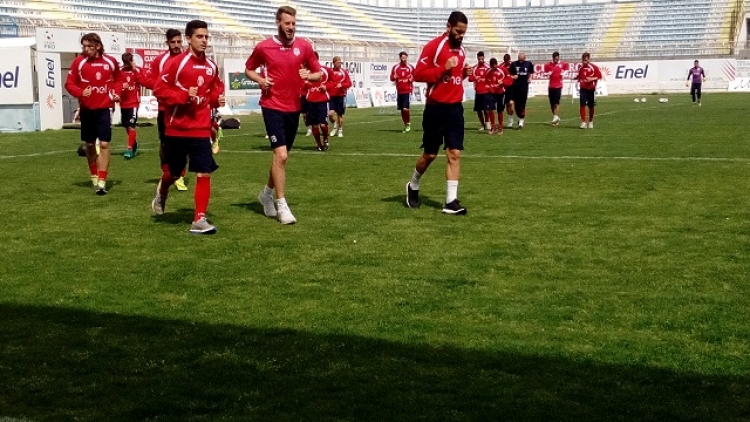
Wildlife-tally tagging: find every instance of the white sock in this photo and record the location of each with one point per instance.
(267, 191)
(451, 191)
(415, 178)
(520, 122)
(281, 203)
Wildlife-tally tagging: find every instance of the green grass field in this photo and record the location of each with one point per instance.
(599, 275)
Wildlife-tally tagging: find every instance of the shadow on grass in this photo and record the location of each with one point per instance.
(63, 364)
(426, 201)
(254, 206)
(179, 216)
(153, 181)
(87, 184)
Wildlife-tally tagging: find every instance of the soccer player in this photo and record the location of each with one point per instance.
(174, 48)
(317, 108)
(496, 90)
(92, 79)
(480, 90)
(442, 66)
(521, 70)
(556, 69)
(698, 76)
(189, 88)
(290, 62)
(403, 75)
(588, 75)
(338, 82)
(131, 78)
(508, 84)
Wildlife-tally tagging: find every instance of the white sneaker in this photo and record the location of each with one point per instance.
(269, 209)
(591, 125)
(309, 132)
(488, 125)
(510, 123)
(333, 132)
(341, 133)
(555, 119)
(699, 104)
(285, 215)
(583, 125)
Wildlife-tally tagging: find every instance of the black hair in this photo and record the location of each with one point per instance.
(171, 33)
(457, 17)
(193, 25)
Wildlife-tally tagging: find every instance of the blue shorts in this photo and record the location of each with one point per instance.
(281, 127)
(96, 123)
(317, 113)
(403, 101)
(488, 102)
(177, 150)
(337, 104)
(129, 117)
(587, 97)
(478, 102)
(443, 125)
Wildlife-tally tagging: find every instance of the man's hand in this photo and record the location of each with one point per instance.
(451, 63)
(87, 91)
(304, 74)
(468, 71)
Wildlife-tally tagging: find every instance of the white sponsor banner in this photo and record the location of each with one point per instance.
(69, 40)
(16, 79)
(740, 85)
(743, 69)
(362, 98)
(383, 96)
(50, 90)
(377, 74)
(601, 90)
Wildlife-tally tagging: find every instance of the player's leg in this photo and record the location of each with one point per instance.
(88, 136)
(128, 120)
(520, 102)
(317, 117)
(454, 144)
(432, 139)
(340, 111)
(698, 93)
(510, 106)
(591, 104)
(582, 103)
(500, 101)
(692, 93)
(479, 108)
(203, 164)
(104, 133)
(489, 109)
(332, 118)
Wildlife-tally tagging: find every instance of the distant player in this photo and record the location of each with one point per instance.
(339, 82)
(480, 91)
(521, 71)
(131, 78)
(403, 75)
(508, 84)
(317, 108)
(588, 75)
(290, 61)
(442, 66)
(556, 69)
(698, 76)
(496, 90)
(92, 79)
(174, 48)
(189, 88)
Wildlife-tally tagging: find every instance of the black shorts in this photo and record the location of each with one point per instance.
(555, 94)
(500, 101)
(160, 126)
(587, 97)
(96, 123)
(403, 101)
(129, 117)
(508, 94)
(337, 104)
(303, 103)
(177, 150)
(317, 113)
(443, 125)
(488, 102)
(478, 102)
(281, 127)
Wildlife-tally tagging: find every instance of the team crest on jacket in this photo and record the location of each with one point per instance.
(200, 81)
(106, 67)
(98, 76)
(209, 71)
(296, 51)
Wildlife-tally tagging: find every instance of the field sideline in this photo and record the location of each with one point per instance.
(599, 275)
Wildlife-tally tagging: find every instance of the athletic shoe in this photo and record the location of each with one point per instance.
(101, 187)
(94, 180)
(407, 128)
(128, 154)
(583, 125)
(555, 119)
(180, 184)
(285, 215)
(215, 147)
(412, 197)
(699, 104)
(158, 205)
(201, 226)
(309, 132)
(520, 126)
(591, 125)
(492, 131)
(269, 208)
(510, 123)
(500, 131)
(481, 129)
(454, 208)
(341, 133)
(334, 131)
(488, 125)
(319, 149)
(325, 146)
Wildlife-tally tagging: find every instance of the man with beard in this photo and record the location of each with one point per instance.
(521, 71)
(442, 66)
(92, 79)
(289, 62)
(403, 75)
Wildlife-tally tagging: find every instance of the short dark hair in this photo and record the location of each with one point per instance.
(457, 17)
(506, 57)
(403, 53)
(695, 61)
(585, 56)
(285, 10)
(193, 25)
(555, 54)
(480, 54)
(493, 62)
(127, 58)
(171, 33)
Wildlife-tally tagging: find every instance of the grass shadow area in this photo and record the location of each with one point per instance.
(178, 216)
(254, 206)
(426, 201)
(64, 364)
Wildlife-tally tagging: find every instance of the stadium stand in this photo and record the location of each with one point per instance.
(606, 29)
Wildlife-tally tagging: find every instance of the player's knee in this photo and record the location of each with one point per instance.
(103, 145)
(280, 155)
(453, 154)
